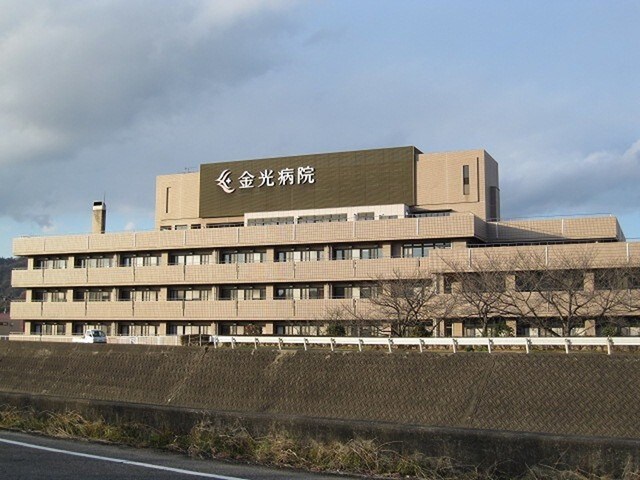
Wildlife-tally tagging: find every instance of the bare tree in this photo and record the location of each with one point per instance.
(477, 286)
(558, 288)
(346, 319)
(403, 304)
(411, 303)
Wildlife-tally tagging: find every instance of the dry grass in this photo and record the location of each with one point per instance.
(205, 440)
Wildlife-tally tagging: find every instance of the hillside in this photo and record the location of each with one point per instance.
(6, 292)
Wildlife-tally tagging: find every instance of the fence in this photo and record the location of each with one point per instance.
(454, 344)
(130, 340)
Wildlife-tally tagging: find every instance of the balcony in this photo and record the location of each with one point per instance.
(461, 225)
(178, 310)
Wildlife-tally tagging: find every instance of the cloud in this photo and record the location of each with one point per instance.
(77, 76)
(600, 182)
(78, 73)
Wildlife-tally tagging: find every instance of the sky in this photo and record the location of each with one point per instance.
(98, 98)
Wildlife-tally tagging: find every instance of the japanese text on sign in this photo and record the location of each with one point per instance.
(266, 178)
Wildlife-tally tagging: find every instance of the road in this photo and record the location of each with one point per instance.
(26, 456)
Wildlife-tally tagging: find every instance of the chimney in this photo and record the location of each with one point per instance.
(99, 217)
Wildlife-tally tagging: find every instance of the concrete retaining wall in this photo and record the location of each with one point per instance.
(578, 395)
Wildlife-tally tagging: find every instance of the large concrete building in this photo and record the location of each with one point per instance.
(276, 246)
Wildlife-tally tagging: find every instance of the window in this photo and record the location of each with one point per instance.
(387, 217)
(242, 293)
(39, 296)
(342, 291)
(142, 260)
(188, 329)
(551, 280)
(465, 180)
(50, 263)
(365, 216)
(248, 256)
(494, 204)
(189, 259)
(231, 329)
(93, 262)
(255, 293)
(93, 295)
(58, 296)
(617, 279)
(303, 330)
(477, 282)
(448, 283)
(98, 296)
(258, 222)
(126, 295)
(445, 213)
(38, 328)
(417, 250)
(323, 218)
(354, 291)
(228, 293)
(224, 225)
(301, 292)
(138, 330)
(196, 226)
(342, 254)
(181, 227)
(189, 295)
(149, 295)
(299, 255)
(368, 291)
(130, 294)
(357, 253)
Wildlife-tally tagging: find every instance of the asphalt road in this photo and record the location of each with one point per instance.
(26, 456)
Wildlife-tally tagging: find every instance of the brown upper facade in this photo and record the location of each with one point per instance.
(465, 181)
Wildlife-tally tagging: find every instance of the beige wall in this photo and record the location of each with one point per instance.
(599, 255)
(182, 202)
(439, 181)
(438, 187)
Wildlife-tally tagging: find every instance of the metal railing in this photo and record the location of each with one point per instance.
(113, 339)
(452, 343)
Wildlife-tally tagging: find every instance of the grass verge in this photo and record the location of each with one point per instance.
(358, 456)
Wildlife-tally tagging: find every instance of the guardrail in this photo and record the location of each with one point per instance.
(453, 343)
(119, 339)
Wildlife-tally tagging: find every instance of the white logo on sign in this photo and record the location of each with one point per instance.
(246, 180)
(224, 181)
(306, 175)
(285, 176)
(266, 178)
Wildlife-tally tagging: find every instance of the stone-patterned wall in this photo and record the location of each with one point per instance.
(578, 394)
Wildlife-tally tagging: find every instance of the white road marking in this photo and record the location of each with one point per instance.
(121, 460)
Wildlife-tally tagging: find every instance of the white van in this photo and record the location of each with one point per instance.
(91, 336)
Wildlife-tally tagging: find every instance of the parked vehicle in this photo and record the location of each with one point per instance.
(91, 336)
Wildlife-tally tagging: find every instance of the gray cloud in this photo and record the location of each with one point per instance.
(76, 75)
(601, 182)
(100, 97)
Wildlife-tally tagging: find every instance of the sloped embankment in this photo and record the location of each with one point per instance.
(578, 394)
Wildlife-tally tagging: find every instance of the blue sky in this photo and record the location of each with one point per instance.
(97, 98)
